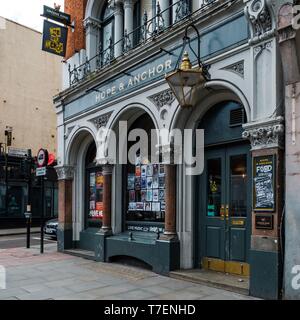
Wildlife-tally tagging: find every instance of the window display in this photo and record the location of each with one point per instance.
(95, 195)
(145, 192)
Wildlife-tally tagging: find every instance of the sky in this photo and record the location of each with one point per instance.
(27, 12)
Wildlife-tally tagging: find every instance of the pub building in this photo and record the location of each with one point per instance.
(227, 218)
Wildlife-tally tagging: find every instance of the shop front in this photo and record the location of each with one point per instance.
(225, 216)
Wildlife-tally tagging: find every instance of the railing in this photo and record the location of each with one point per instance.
(150, 29)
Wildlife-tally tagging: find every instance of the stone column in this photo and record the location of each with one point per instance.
(119, 28)
(65, 176)
(164, 5)
(170, 199)
(92, 32)
(128, 19)
(107, 180)
(267, 139)
(289, 55)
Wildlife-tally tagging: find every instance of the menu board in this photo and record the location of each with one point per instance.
(146, 189)
(264, 183)
(95, 195)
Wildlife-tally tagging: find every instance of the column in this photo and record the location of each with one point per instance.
(266, 139)
(92, 32)
(118, 12)
(170, 199)
(65, 227)
(164, 5)
(107, 180)
(291, 70)
(128, 19)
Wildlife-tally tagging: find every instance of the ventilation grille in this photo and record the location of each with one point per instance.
(237, 117)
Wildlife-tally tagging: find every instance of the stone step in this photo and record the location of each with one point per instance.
(90, 255)
(233, 283)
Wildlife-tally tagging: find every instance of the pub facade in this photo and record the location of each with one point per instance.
(226, 218)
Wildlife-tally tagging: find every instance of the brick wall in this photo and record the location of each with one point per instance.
(76, 39)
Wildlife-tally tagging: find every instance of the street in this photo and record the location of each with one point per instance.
(19, 241)
(57, 276)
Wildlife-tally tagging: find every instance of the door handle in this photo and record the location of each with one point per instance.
(227, 212)
(222, 212)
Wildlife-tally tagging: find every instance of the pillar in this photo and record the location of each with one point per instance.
(118, 13)
(291, 71)
(65, 221)
(170, 198)
(107, 181)
(164, 5)
(267, 141)
(128, 18)
(92, 32)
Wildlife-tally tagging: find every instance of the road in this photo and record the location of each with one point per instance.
(19, 241)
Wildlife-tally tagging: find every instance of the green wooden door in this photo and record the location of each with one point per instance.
(225, 210)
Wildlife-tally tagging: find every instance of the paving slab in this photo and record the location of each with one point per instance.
(54, 275)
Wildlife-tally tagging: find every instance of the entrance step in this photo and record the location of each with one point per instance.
(90, 255)
(234, 283)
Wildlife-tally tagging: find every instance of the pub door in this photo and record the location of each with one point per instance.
(225, 210)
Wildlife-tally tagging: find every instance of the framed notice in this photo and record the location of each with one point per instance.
(264, 183)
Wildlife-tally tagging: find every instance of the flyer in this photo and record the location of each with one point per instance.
(155, 183)
(155, 196)
(149, 182)
(149, 170)
(131, 180)
(149, 195)
(155, 206)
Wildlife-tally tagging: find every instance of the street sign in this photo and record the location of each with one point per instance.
(57, 15)
(18, 152)
(40, 172)
(55, 38)
(42, 158)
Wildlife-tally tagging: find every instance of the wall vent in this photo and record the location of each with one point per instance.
(237, 117)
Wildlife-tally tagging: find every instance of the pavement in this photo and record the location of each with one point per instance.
(57, 276)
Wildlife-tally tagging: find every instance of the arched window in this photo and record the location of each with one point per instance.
(94, 190)
(107, 30)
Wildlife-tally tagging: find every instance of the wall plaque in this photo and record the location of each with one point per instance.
(264, 183)
(264, 222)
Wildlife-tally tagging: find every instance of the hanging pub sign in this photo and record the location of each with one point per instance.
(264, 183)
(55, 14)
(55, 38)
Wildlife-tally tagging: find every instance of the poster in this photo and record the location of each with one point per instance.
(92, 179)
(155, 182)
(149, 170)
(132, 196)
(149, 182)
(161, 182)
(155, 206)
(144, 170)
(264, 183)
(130, 182)
(99, 180)
(144, 182)
(155, 195)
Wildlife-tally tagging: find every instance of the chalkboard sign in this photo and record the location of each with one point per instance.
(264, 183)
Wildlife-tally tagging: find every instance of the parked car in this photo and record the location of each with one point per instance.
(50, 228)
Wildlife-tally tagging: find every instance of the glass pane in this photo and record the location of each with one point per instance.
(214, 183)
(95, 198)
(16, 199)
(2, 199)
(238, 186)
(107, 34)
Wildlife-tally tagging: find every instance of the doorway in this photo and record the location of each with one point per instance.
(225, 210)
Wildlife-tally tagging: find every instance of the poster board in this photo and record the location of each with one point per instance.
(264, 189)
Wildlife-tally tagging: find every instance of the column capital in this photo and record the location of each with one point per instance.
(65, 172)
(116, 5)
(129, 3)
(265, 135)
(91, 23)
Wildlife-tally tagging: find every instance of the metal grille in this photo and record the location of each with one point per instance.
(237, 117)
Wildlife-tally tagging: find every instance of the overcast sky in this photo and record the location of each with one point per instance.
(27, 12)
